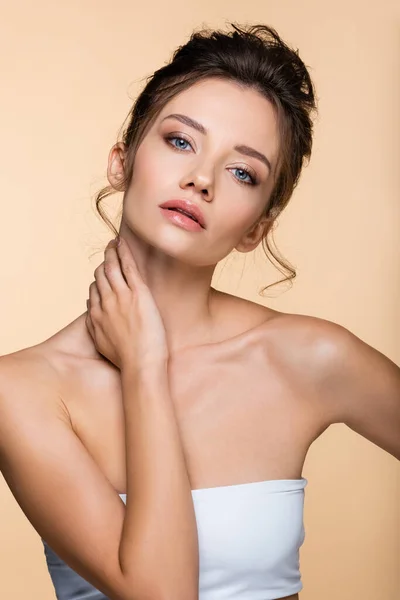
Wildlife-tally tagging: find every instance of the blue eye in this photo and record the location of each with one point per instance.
(174, 137)
(246, 172)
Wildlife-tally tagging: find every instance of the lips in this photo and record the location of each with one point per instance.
(186, 207)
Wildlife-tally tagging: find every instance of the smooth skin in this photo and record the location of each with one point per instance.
(251, 387)
(159, 532)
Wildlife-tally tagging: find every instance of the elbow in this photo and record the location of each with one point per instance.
(155, 583)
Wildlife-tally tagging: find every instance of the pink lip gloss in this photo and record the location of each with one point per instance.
(181, 220)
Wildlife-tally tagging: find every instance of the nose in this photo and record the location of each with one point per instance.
(201, 181)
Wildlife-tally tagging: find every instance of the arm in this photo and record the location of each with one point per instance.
(160, 519)
(72, 505)
(360, 387)
(55, 481)
(159, 546)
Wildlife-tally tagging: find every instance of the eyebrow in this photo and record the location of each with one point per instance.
(243, 149)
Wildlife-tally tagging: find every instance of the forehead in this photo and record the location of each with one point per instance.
(225, 107)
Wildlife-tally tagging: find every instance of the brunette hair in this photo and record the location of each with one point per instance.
(256, 57)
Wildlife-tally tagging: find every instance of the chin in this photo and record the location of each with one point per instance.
(186, 249)
(171, 241)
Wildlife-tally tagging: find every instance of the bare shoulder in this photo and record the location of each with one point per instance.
(37, 374)
(24, 367)
(307, 346)
(310, 348)
(351, 381)
(325, 350)
(356, 383)
(311, 345)
(298, 337)
(301, 328)
(66, 357)
(27, 378)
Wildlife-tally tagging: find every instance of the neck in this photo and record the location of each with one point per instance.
(183, 293)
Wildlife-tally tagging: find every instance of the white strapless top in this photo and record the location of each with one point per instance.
(249, 539)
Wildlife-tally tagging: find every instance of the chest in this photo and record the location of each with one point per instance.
(241, 418)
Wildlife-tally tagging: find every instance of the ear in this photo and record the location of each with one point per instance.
(116, 166)
(254, 235)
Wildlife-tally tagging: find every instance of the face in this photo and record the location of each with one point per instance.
(229, 183)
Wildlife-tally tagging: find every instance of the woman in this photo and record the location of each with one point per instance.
(157, 442)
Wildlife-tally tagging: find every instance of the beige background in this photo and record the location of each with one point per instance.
(69, 71)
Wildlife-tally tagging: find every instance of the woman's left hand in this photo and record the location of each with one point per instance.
(122, 315)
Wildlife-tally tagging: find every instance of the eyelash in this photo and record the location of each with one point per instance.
(179, 137)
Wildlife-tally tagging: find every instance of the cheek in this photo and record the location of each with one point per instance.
(144, 169)
(237, 220)
(155, 173)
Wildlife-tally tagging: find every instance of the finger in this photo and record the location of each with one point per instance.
(89, 326)
(113, 269)
(128, 265)
(103, 285)
(94, 299)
